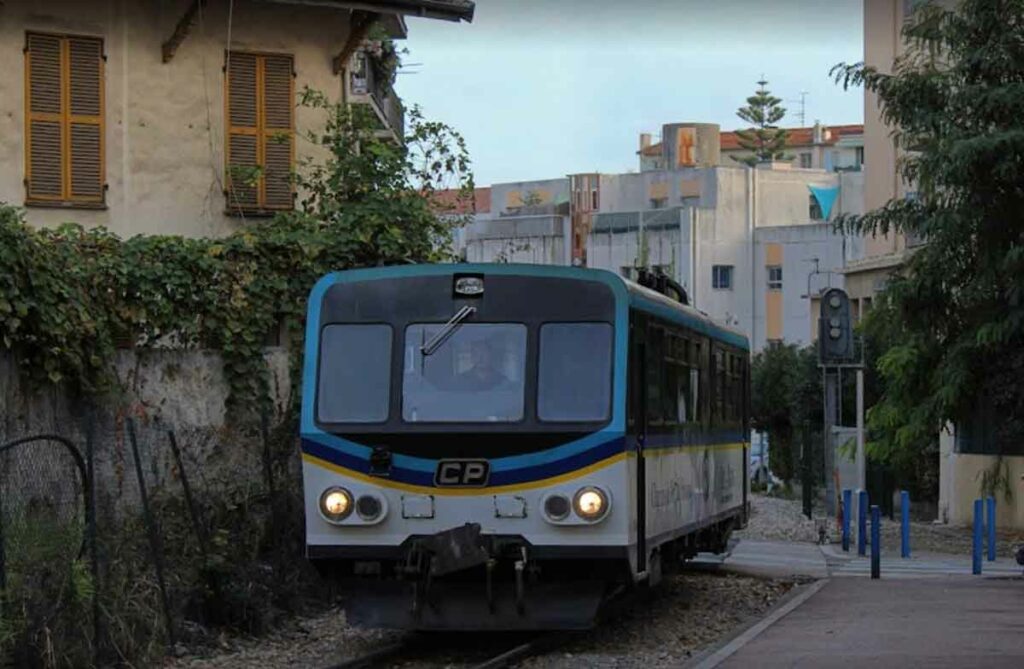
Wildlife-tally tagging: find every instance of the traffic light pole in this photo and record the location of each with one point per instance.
(860, 461)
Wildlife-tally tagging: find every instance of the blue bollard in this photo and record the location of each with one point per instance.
(876, 542)
(976, 546)
(847, 511)
(862, 522)
(990, 524)
(904, 524)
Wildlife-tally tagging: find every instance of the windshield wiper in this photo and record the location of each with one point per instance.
(447, 330)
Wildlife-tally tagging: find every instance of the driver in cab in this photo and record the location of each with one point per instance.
(483, 372)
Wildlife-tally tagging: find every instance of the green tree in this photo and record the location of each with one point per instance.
(764, 139)
(785, 396)
(952, 318)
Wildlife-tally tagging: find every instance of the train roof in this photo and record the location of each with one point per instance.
(639, 297)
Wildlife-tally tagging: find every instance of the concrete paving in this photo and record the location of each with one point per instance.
(768, 558)
(934, 622)
(778, 559)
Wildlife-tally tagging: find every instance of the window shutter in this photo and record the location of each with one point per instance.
(277, 135)
(64, 155)
(44, 169)
(85, 119)
(243, 131)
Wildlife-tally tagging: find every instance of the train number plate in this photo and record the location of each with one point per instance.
(462, 473)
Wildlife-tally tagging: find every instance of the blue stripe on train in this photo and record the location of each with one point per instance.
(542, 470)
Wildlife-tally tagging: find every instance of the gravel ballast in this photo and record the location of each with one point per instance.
(680, 616)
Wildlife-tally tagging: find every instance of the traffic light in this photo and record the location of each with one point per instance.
(835, 331)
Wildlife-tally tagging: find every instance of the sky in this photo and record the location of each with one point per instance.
(545, 88)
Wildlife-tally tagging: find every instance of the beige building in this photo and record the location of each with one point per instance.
(180, 116)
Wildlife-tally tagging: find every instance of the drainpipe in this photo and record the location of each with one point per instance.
(694, 260)
(751, 225)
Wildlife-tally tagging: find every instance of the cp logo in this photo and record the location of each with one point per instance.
(462, 473)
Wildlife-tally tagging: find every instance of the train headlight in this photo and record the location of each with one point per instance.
(590, 503)
(556, 507)
(368, 507)
(335, 504)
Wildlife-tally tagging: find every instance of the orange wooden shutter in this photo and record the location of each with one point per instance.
(243, 132)
(85, 119)
(277, 132)
(64, 153)
(261, 137)
(44, 167)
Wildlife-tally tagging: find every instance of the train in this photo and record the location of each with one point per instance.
(513, 447)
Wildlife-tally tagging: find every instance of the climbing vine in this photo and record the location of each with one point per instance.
(70, 296)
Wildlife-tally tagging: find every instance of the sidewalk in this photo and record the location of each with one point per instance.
(952, 622)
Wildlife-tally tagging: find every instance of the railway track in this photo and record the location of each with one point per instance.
(420, 648)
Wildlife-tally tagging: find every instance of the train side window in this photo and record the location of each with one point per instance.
(655, 336)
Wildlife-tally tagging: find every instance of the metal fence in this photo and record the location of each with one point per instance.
(86, 519)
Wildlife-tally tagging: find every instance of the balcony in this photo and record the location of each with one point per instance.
(366, 85)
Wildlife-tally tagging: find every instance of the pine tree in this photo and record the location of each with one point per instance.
(764, 139)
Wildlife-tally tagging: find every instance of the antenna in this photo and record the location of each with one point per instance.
(803, 107)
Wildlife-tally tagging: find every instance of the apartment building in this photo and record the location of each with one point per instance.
(181, 116)
(753, 247)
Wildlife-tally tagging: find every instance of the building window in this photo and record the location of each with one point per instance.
(260, 92)
(814, 208)
(659, 202)
(805, 160)
(774, 277)
(721, 277)
(64, 111)
(593, 199)
(858, 156)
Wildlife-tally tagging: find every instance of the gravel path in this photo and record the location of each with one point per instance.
(680, 616)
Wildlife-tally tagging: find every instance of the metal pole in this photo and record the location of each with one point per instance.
(197, 526)
(976, 544)
(904, 524)
(876, 542)
(154, 539)
(860, 463)
(94, 562)
(990, 516)
(862, 522)
(847, 510)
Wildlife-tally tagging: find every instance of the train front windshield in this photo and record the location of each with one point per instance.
(481, 373)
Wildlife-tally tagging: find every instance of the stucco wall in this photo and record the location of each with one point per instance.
(164, 122)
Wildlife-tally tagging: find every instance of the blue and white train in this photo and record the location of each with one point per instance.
(510, 447)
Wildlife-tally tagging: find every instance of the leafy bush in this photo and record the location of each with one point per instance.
(69, 296)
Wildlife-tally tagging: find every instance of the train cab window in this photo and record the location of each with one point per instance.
(476, 375)
(575, 372)
(354, 384)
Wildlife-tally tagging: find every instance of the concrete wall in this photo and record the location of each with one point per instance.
(164, 122)
(506, 197)
(796, 246)
(960, 484)
(183, 391)
(537, 240)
